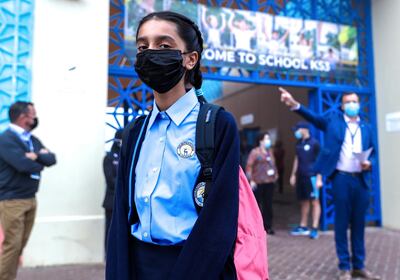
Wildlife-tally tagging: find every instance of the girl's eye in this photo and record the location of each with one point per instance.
(141, 48)
(165, 46)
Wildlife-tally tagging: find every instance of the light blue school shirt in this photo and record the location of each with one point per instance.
(166, 172)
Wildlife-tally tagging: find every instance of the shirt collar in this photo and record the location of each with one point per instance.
(348, 120)
(154, 114)
(25, 135)
(179, 110)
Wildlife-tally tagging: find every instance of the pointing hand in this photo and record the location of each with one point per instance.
(287, 98)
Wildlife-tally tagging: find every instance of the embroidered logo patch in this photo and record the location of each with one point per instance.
(198, 193)
(185, 149)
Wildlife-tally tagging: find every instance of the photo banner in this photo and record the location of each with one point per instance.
(258, 41)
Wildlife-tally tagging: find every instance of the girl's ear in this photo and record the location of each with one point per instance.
(191, 60)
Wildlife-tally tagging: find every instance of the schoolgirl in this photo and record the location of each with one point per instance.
(156, 230)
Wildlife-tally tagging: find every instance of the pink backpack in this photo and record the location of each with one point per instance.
(250, 256)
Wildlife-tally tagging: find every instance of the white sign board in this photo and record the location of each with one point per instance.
(393, 122)
(247, 119)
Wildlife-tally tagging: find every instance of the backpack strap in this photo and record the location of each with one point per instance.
(205, 150)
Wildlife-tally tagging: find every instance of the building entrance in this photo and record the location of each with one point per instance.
(319, 84)
(258, 109)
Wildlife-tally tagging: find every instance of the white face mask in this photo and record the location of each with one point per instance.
(267, 143)
(298, 135)
(352, 109)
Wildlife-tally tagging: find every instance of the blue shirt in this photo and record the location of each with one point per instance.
(307, 153)
(25, 136)
(166, 172)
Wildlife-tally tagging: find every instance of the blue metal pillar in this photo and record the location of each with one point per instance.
(16, 20)
(375, 213)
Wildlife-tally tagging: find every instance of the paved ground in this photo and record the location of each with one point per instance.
(297, 258)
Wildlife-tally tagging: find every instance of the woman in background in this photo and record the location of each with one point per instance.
(262, 173)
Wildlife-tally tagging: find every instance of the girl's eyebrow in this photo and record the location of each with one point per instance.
(158, 38)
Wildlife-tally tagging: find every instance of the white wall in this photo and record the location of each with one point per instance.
(386, 37)
(69, 89)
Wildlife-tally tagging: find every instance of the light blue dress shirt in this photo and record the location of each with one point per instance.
(25, 136)
(166, 172)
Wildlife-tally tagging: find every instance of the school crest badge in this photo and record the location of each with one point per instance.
(185, 149)
(198, 193)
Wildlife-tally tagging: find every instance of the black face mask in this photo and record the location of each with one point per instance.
(35, 124)
(160, 69)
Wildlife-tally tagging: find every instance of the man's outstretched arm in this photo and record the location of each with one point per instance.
(317, 120)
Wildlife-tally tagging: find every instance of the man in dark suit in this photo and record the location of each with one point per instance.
(22, 158)
(345, 134)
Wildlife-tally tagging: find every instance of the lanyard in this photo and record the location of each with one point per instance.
(267, 156)
(30, 144)
(352, 135)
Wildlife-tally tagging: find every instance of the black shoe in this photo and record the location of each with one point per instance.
(270, 231)
(365, 274)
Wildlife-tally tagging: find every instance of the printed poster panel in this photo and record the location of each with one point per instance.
(258, 41)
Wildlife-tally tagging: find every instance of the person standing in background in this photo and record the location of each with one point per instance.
(110, 168)
(262, 173)
(345, 134)
(304, 179)
(279, 154)
(22, 158)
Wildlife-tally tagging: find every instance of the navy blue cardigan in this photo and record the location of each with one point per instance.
(16, 168)
(208, 251)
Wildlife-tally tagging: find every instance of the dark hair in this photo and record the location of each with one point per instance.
(118, 134)
(301, 124)
(17, 109)
(349, 93)
(190, 34)
(260, 136)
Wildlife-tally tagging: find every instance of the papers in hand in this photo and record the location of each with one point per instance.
(363, 156)
(315, 192)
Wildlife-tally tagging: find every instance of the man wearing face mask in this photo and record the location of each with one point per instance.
(304, 179)
(345, 134)
(262, 173)
(22, 158)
